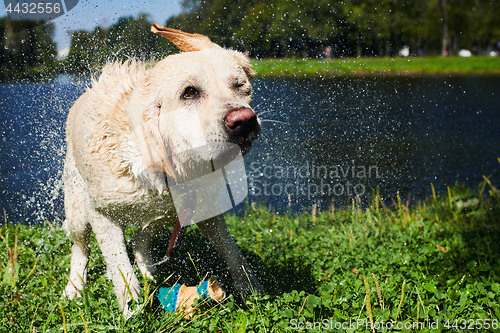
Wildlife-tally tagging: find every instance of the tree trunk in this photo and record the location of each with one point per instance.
(490, 44)
(414, 47)
(489, 38)
(359, 52)
(304, 52)
(444, 43)
(456, 36)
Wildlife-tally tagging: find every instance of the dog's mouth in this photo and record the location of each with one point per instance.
(245, 144)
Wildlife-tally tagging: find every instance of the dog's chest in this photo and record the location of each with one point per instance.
(145, 208)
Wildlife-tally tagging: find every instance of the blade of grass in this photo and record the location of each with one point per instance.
(85, 326)
(420, 300)
(402, 298)
(63, 318)
(31, 272)
(255, 298)
(196, 269)
(126, 284)
(368, 303)
(302, 308)
(32, 328)
(379, 294)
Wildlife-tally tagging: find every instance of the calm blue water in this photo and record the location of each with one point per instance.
(321, 140)
(410, 131)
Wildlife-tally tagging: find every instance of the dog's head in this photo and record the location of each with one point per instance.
(195, 98)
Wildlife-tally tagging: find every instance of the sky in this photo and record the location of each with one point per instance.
(88, 14)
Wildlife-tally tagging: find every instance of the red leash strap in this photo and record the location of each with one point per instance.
(176, 238)
(185, 214)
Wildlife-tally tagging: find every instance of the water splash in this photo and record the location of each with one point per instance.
(33, 125)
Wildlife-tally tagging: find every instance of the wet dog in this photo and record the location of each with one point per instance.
(130, 131)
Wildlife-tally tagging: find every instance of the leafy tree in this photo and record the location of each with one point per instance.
(25, 44)
(484, 23)
(475, 25)
(363, 27)
(129, 38)
(80, 52)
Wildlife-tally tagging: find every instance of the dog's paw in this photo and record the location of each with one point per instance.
(71, 292)
(128, 313)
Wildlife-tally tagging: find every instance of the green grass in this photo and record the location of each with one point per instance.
(307, 68)
(374, 66)
(393, 262)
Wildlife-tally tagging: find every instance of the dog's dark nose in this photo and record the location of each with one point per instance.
(241, 122)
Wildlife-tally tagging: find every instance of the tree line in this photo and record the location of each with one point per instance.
(129, 38)
(27, 47)
(351, 28)
(282, 28)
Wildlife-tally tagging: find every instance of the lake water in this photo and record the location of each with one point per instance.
(321, 140)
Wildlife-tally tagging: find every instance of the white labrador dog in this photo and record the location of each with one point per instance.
(129, 131)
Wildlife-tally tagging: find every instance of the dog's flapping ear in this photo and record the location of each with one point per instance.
(151, 144)
(155, 158)
(184, 41)
(195, 42)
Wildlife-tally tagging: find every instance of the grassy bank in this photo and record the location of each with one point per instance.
(309, 68)
(268, 68)
(417, 264)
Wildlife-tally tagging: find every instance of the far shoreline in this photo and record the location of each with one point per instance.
(376, 66)
(297, 68)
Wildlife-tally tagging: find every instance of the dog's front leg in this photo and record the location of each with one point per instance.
(215, 229)
(142, 244)
(111, 241)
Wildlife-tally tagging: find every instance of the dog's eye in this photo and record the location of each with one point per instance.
(239, 84)
(190, 92)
